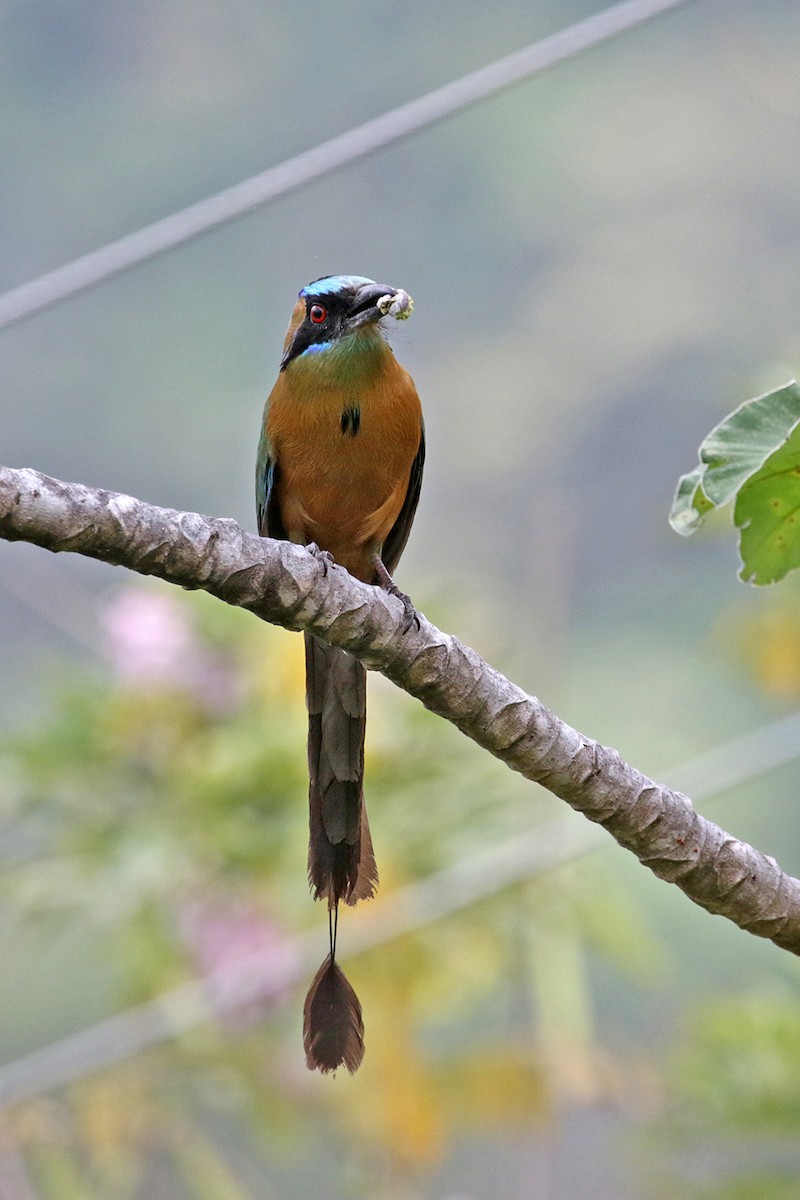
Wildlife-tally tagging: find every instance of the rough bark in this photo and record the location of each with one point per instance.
(286, 585)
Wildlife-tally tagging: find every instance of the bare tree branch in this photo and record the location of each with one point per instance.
(286, 585)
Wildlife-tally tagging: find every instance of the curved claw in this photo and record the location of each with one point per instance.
(410, 615)
(323, 557)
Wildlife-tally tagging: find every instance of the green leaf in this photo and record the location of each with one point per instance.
(690, 503)
(767, 511)
(753, 456)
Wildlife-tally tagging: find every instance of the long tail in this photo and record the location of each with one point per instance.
(341, 863)
(333, 1032)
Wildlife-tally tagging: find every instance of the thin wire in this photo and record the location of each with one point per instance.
(404, 911)
(346, 148)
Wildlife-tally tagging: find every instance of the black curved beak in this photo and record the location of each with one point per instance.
(364, 308)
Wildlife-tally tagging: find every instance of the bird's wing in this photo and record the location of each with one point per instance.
(268, 512)
(398, 535)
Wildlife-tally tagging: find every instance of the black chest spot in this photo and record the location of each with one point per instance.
(351, 420)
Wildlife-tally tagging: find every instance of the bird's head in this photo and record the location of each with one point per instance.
(339, 314)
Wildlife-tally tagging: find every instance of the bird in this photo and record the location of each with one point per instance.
(339, 470)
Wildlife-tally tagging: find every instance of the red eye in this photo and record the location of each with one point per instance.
(318, 314)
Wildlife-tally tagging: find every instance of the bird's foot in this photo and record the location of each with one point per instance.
(323, 557)
(410, 614)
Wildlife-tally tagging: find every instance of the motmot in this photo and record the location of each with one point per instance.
(339, 470)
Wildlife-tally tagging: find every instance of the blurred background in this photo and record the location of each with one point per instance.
(605, 261)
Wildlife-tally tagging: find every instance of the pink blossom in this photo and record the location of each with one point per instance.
(148, 637)
(244, 956)
(151, 643)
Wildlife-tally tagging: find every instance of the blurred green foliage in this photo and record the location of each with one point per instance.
(600, 259)
(164, 797)
(732, 1100)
